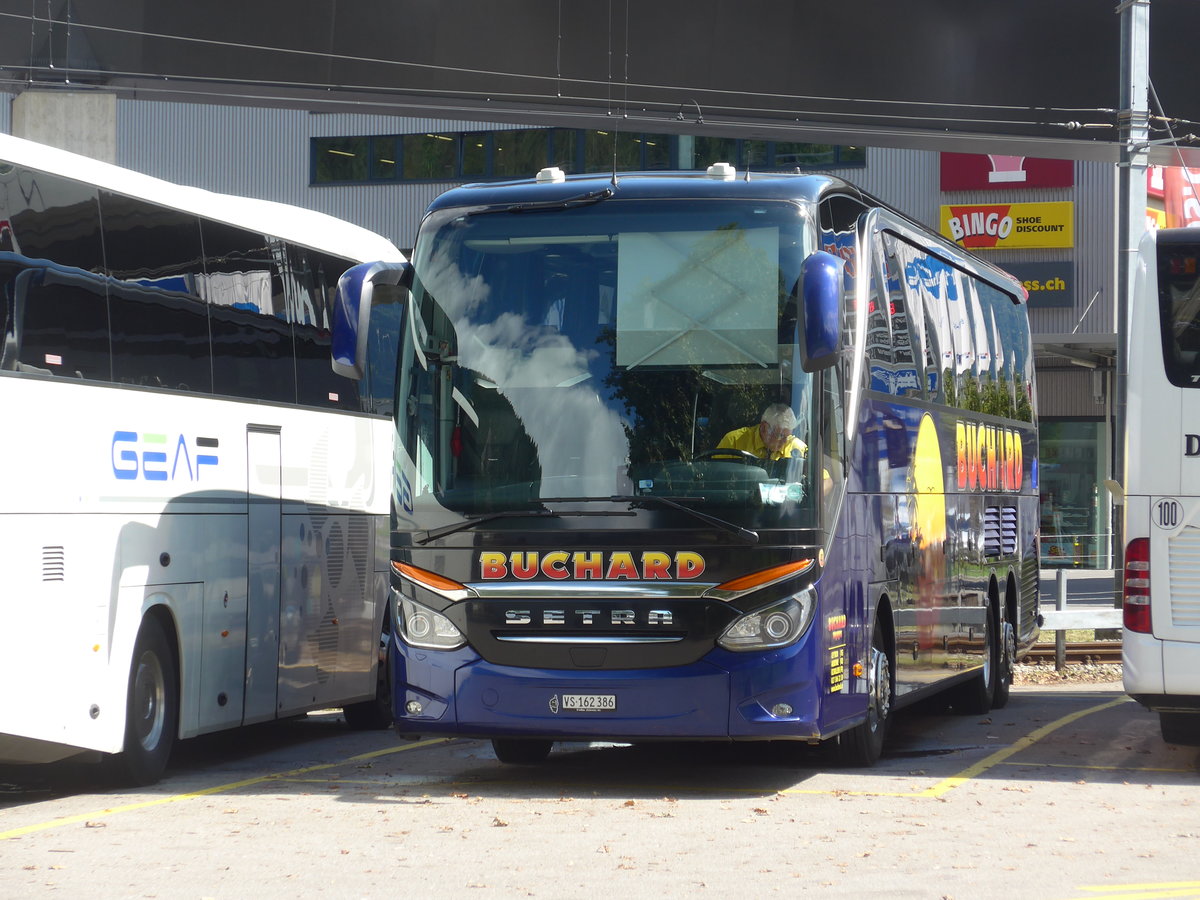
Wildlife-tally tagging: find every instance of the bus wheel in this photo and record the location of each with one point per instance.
(521, 751)
(1004, 671)
(1180, 728)
(862, 745)
(372, 715)
(151, 709)
(974, 697)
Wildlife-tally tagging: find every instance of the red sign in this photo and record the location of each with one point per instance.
(980, 171)
(1154, 181)
(1181, 190)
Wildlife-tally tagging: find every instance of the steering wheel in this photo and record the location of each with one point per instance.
(743, 456)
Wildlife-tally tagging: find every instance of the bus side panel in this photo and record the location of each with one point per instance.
(57, 659)
(193, 563)
(1154, 445)
(841, 630)
(329, 636)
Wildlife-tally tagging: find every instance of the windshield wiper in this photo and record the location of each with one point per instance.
(744, 534)
(542, 205)
(434, 533)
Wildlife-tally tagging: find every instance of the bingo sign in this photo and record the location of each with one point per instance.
(1001, 226)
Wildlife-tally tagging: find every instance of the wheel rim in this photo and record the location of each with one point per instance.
(1010, 649)
(149, 701)
(881, 689)
(989, 655)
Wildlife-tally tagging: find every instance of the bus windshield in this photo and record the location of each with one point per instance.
(622, 348)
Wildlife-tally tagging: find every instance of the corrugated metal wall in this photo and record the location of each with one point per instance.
(265, 153)
(1071, 391)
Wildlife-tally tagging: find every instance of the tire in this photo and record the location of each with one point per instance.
(974, 697)
(521, 751)
(862, 745)
(371, 715)
(376, 714)
(151, 709)
(1180, 728)
(1004, 671)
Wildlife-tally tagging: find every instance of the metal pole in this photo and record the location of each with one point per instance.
(1134, 123)
(1060, 634)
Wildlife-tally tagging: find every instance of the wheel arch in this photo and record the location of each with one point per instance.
(163, 616)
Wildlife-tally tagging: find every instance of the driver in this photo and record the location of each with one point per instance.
(771, 438)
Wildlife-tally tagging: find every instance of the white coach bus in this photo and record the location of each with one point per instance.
(193, 520)
(1161, 640)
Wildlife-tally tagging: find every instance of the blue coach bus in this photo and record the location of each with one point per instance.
(705, 456)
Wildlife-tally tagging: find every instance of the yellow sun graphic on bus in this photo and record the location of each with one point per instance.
(928, 492)
(929, 488)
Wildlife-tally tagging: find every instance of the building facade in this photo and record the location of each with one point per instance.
(1052, 223)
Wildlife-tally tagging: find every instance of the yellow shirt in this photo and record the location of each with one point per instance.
(750, 440)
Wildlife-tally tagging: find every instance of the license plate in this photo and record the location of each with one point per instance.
(589, 702)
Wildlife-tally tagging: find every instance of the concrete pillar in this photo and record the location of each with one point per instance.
(83, 122)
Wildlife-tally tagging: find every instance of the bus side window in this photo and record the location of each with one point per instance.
(833, 435)
(57, 322)
(901, 375)
(839, 220)
(159, 326)
(252, 347)
(921, 287)
(1011, 356)
(53, 325)
(312, 280)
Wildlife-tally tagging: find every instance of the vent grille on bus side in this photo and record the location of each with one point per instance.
(991, 531)
(1183, 552)
(1030, 585)
(1000, 531)
(54, 564)
(1008, 530)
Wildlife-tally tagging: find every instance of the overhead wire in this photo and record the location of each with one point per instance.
(557, 79)
(1174, 141)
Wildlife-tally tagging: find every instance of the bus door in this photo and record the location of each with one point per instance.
(264, 493)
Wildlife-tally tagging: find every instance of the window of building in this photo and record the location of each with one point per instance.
(340, 159)
(519, 153)
(1072, 462)
(429, 157)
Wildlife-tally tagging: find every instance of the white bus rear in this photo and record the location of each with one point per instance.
(1161, 648)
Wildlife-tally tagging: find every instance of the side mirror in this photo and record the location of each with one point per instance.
(819, 317)
(352, 312)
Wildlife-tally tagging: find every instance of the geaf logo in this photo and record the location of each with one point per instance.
(160, 457)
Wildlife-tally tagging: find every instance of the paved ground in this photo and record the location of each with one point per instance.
(1067, 793)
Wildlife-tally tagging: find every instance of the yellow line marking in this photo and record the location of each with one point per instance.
(1145, 891)
(1154, 886)
(1023, 743)
(1040, 765)
(205, 792)
(938, 790)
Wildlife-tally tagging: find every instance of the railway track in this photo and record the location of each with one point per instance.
(1078, 652)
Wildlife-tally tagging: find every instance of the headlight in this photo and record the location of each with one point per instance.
(421, 627)
(777, 625)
